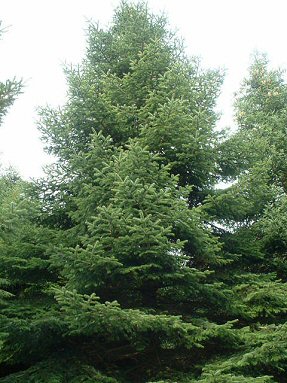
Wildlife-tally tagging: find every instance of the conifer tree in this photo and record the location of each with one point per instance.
(136, 81)
(115, 267)
(24, 265)
(136, 296)
(9, 90)
(253, 212)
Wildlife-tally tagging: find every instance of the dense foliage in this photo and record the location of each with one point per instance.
(127, 262)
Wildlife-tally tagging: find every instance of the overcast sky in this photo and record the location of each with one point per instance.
(44, 34)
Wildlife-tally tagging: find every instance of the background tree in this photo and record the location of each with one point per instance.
(9, 90)
(252, 210)
(24, 265)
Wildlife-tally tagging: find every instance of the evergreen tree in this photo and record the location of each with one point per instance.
(126, 264)
(136, 295)
(137, 82)
(24, 265)
(253, 212)
(9, 90)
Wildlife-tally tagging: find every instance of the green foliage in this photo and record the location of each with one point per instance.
(8, 93)
(253, 210)
(25, 325)
(151, 91)
(218, 377)
(54, 371)
(126, 263)
(85, 315)
(9, 90)
(264, 354)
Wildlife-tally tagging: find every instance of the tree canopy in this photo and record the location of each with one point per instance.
(128, 262)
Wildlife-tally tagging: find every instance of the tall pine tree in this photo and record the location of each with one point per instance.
(136, 295)
(116, 267)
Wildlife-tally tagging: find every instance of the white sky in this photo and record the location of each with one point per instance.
(44, 34)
